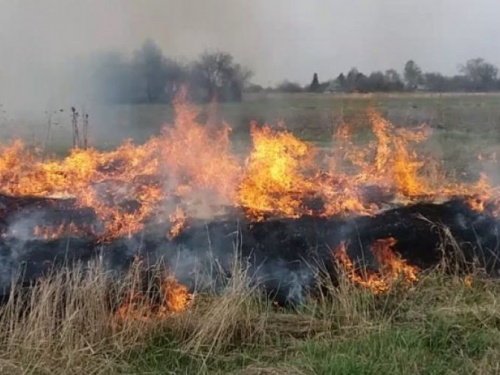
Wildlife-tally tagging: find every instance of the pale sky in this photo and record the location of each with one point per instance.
(277, 39)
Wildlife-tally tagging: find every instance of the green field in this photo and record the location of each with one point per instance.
(464, 125)
(440, 325)
(314, 116)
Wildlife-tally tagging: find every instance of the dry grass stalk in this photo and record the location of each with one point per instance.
(235, 317)
(63, 325)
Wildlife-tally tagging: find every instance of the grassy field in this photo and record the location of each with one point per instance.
(441, 325)
(464, 125)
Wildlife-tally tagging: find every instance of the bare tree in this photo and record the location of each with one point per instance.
(413, 75)
(159, 75)
(290, 87)
(219, 76)
(394, 80)
(481, 74)
(149, 61)
(115, 79)
(354, 80)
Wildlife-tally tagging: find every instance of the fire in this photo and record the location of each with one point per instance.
(468, 281)
(191, 165)
(127, 186)
(391, 267)
(274, 180)
(62, 230)
(175, 295)
(199, 156)
(281, 174)
(190, 170)
(178, 219)
(401, 164)
(174, 298)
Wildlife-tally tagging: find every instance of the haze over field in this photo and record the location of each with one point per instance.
(42, 41)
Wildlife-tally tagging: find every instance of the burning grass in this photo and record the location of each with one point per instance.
(391, 267)
(83, 320)
(66, 324)
(190, 171)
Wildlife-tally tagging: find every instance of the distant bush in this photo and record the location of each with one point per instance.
(290, 87)
(252, 88)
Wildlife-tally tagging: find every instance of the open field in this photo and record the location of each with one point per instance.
(464, 125)
(443, 324)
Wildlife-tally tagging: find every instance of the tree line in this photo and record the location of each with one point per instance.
(149, 76)
(476, 75)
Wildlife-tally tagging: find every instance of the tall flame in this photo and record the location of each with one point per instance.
(274, 180)
(190, 166)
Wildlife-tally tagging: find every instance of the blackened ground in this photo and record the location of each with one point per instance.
(284, 256)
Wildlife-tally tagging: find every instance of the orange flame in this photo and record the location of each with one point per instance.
(191, 165)
(274, 180)
(61, 230)
(391, 267)
(178, 219)
(174, 299)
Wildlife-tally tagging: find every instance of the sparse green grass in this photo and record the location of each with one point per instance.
(440, 326)
(436, 348)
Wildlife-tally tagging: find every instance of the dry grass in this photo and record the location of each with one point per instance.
(63, 325)
(237, 315)
(442, 324)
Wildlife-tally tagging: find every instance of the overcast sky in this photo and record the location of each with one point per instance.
(277, 39)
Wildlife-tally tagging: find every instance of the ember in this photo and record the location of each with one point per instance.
(178, 220)
(391, 267)
(63, 230)
(173, 299)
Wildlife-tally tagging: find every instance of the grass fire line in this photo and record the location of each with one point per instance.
(102, 251)
(288, 203)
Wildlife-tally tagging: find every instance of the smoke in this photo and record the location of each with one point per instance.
(22, 225)
(43, 44)
(48, 48)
